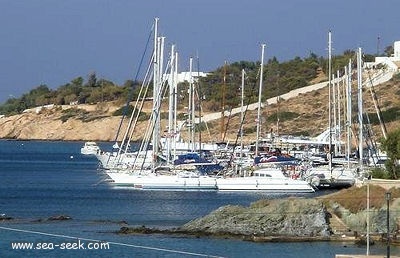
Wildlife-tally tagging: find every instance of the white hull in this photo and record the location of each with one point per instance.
(152, 181)
(337, 178)
(186, 181)
(264, 179)
(125, 160)
(181, 147)
(263, 184)
(90, 148)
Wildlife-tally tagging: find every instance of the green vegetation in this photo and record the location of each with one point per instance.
(73, 112)
(249, 130)
(224, 84)
(93, 91)
(80, 114)
(391, 145)
(201, 127)
(380, 173)
(389, 115)
(128, 110)
(283, 116)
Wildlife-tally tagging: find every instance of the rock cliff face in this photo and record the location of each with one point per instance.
(292, 217)
(31, 126)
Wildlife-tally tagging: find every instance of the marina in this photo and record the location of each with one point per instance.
(158, 162)
(40, 180)
(209, 129)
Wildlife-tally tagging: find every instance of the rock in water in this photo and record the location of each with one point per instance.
(292, 217)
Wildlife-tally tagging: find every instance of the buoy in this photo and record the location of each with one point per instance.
(71, 157)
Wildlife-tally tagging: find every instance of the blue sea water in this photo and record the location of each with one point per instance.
(40, 179)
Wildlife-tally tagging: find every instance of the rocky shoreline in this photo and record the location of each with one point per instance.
(277, 220)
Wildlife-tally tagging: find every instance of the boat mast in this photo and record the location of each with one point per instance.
(155, 85)
(241, 122)
(330, 101)
(259, 97)
(334, 105)
(339, 117)
(348, 122)
(191, 106)
(360, 107)
(175, 126)
(199, 96)
(171, 106)
(223, 104)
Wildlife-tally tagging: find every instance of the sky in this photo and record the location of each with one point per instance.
(52, 42)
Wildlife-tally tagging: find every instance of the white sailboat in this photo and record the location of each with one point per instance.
(160, 175)
(264, 179)
(334, 175)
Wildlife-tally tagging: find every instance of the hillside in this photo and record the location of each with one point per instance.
(306, 114)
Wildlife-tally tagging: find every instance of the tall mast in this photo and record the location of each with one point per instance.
(329, 97)
(339, 117)
(223, 104)
(360, 107)
(348, 121)
(175, 126)
(241, 121)
(259, 97)
(156, 70)
(171, 106)
(334, 104)
(199, 96)
(191, 105)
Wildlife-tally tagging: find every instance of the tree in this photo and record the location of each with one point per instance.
(92, 80)
(391, 145)
(389, 50)
(78, 81)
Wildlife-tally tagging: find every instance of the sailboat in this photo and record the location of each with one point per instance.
(161, 173)
(334, 175)
(264, 179)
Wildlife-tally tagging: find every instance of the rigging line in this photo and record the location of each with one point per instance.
(135, 112)
(227, 123)
(376, 104)
(244, 117)
(102, 241)
(136, 77)
(140, 98)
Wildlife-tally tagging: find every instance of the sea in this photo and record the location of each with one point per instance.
(42, 182)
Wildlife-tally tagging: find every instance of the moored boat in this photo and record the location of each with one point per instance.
(264, 179)
(90, 148)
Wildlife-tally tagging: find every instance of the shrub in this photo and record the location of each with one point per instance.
(283, 116)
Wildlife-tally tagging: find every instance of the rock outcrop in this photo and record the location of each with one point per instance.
(292, 217)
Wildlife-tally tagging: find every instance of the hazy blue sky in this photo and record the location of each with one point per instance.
(54, 41)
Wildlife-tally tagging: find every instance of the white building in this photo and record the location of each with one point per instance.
(185, 76)
(389, 61)
(396, 48)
